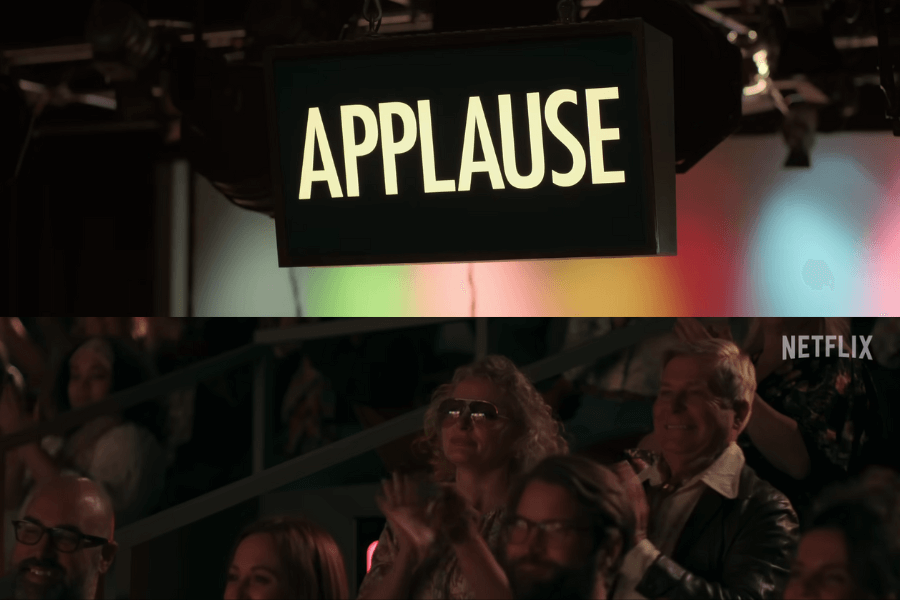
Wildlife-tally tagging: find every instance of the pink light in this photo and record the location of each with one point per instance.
(370, 552)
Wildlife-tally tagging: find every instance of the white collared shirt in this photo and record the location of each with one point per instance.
(669, 518)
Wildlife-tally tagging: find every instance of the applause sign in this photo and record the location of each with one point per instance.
(531, 143)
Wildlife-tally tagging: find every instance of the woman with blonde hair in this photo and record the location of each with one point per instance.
(286, 558)
(482, 430)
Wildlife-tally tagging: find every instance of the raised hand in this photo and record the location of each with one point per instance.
(13, 417)
(454, 518)
(638, 498)
(408, 514)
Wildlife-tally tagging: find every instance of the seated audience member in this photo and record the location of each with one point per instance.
(851, 544)
(615, 394)
(64, 540)
(286, 558)
(886, 342)
(482, 430)
(707, 527)
(806, 412)
(569, 527)
(122, 452)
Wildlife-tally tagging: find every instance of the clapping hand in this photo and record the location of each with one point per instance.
(409, 515)
(13, 417)
(454, 518)
(638, 499)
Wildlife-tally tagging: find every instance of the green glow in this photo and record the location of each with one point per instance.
(360, 292)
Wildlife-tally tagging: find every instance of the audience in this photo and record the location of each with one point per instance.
(303, 414)
(708, 527)
(569, 527)
(886, 342)
(807, 411)
(482, 430)
(741, 442)
(62, 547)
(286, 558)
(612, 397)
(851, 545)
(121, 452)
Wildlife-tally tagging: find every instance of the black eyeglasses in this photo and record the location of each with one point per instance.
(519, 529)
(449, 411)
(64, 540)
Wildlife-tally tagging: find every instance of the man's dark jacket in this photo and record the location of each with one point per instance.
(729, 549)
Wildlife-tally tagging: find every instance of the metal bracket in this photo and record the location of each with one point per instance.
(567, 10)
(374, 20)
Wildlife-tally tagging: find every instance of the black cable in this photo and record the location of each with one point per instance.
(885, 65)
(374, 21)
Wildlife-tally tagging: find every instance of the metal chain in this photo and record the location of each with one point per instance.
(567, 10)
(374, 20)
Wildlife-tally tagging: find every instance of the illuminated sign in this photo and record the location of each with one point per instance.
(544, 142)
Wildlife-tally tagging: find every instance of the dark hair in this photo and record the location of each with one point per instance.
(865, 513)
(130, 368)
(310, 558)
(597, 489)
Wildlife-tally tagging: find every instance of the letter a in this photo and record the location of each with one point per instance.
(315, 134)
(476, 124)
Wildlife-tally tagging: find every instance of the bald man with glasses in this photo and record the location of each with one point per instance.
(64, 541)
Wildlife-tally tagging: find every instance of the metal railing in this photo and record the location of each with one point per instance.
(264, 480)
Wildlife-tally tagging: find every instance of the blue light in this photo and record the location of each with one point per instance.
(806, 254)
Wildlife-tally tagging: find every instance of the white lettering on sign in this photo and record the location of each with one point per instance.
(551, 115)
(416, 125)
(432, 184)
(476, 123)
(391, 148)
(352, 150)
(508, 143)
(597, 135)
(315, 136)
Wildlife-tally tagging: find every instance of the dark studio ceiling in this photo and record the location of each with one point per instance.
(101, 64)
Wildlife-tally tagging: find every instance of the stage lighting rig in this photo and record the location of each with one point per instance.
(707, 70)
(799, 131)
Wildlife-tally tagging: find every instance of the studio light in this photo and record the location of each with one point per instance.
(707, 108)
(799, 132)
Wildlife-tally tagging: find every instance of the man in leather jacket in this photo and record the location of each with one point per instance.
(706, 525)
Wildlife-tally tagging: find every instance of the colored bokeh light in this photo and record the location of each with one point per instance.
(754, 238)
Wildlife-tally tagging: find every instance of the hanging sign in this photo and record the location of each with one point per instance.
(531, 143)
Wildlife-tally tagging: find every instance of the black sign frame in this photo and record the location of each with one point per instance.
(656, 107)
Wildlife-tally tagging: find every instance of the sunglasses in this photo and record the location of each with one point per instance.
(64, 540)
(450, 411)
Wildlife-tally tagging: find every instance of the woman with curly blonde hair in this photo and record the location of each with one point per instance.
(482, 430)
